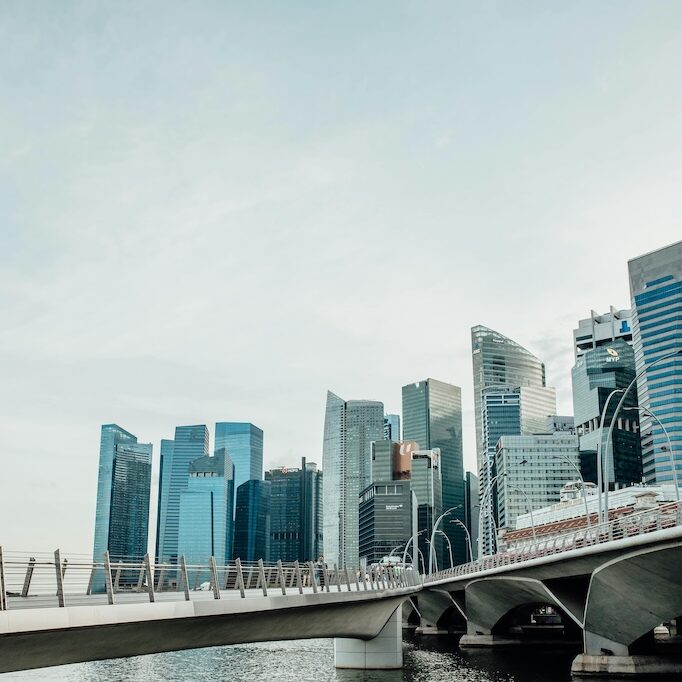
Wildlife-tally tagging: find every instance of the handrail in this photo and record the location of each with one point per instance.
(637, 523)
(34, 580)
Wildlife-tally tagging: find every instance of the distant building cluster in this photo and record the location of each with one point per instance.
(394, 486)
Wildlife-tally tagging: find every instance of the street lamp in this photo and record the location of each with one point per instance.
(601, 475)
(433, 533)
(407, 545)
(428, 542)
(530, 509)
(447, 539)
(481, 514)
(468, 535)
(646, 410)
(582, 483)
(618, 407)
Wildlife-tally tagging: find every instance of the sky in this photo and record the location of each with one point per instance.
(216, 211)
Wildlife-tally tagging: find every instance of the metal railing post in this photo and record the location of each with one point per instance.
(313, 577)
(337, 578)
(214, 577)
(150, 577)
(363, 577)
(299, 579)
(60, 577)
(261, 577)
(160, 576)
(29, 575)
(183, 576)
(357, 581)
(3, 589)
(107, 577)
(280, 576)
(345, 570)
(240, 578)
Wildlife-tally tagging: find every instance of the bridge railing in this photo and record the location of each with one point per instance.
(53, 579)
(624, 526)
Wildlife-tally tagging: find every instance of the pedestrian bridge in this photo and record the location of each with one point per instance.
(49, 614)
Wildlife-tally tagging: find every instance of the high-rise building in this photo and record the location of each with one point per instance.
(497, 360)
(392, 427)
(205, 525)
(426, 484)
(532, 471)
(471, 507)
(295, 512)
(432, 416)
(244, 444)
(596, 374)
(252, 521)
(602, 330)
(392, 461)
(656, 290)
(349, 429)
(385, 519)
(190, 443)
(123, 485)
(507, 410)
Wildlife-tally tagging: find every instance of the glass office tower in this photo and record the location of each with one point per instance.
(190, 443)
(244, 444)
(432, 416)
(392, 427)
(427, 485)
(596, 374)
(123, 486)
(295, 513)
(497, 360)
(205, 525)
(656, 290)
(349, 429)
(252, 521)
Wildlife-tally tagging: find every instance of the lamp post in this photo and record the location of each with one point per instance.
(481, 515)
(582, 483)
(600, 454)
(447, 539)
(530, 509)
(468, 536)
(620, 404)
(435, 560)
(433, 533)
(407, 545)
(648, 411)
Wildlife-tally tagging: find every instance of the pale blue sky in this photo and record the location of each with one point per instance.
(216, 211)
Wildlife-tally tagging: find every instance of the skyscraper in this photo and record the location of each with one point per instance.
(122, 514)
(295, 512)
(499, 360)
(205, 525)
(656, 290)
(596, 374)
(349, 429)
(602, 330)
(507, 411)
(432, 416)
(471, 506)
(190, 443)
(252, 521)
(392, 427)
(244, 444)
(427, 486)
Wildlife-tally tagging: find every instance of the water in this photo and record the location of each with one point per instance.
(426, 659)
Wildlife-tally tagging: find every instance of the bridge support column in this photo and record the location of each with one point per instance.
(426, 627)
(384, 652)
(482, 637)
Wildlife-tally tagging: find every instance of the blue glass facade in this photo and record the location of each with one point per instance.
(656, 288)
(432, 416)
(123, 487)
(252, 521)
(205, 525)
(190, 443)
(244, 444)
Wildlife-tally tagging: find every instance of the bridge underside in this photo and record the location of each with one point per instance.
(252, 620)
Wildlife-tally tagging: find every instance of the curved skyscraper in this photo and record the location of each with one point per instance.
(498, 361)
(349, 429)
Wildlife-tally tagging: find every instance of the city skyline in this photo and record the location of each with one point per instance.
(200, 224)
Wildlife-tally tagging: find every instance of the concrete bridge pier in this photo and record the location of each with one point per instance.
(383, 652)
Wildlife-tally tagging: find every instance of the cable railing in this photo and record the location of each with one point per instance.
(619, 528)
(43, 580)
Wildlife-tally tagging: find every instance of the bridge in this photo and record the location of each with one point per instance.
(609, 584)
